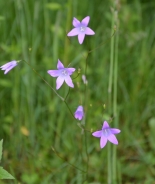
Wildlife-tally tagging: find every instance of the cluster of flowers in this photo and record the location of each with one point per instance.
(63, 74)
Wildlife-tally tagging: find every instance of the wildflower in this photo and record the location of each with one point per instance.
(81, 29)
(106, 134)
(79, 113)
(8, 66)
(63, 74)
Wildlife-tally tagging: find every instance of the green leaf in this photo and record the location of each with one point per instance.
(1, 143)
(4, 174)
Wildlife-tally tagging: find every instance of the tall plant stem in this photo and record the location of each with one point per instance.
(110, 97)
(114, 160)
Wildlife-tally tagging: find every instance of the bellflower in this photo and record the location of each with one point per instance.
(63, 74)
(81, 29)
(79, 113)
(106, 134)
(9, 66)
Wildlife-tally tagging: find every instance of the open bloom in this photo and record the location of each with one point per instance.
(79, 113)
(81, 29)
(63, 74)
(106, 134)
(8, 66)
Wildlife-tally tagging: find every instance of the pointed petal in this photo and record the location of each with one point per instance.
(60, 65)
(11, 63)
(53, 73)
(76, 22)
(103, 141)
(70, 70)
(81, 37)
(85, 21)
(59, 82)
(80, 108)
(115, 130)
(8, 69)
(97, 133)
(78, 115)
(73, 32)
(112, 138)
(69, 82)
(105, 125)
(4, 67)
(89, 31)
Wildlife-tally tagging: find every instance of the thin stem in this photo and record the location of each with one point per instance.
(110, 97)
(115, 99)
(66, 161)
(103, 42)
(44, 80)
(67, 94)
(64, 100)
(69, 108)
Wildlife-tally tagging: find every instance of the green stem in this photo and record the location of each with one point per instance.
(44, 80)
(64, 100)
(110, 97)
(115, 100)
(66, 161)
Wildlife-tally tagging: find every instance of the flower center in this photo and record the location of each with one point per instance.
(106, 132)
(64, 72)
(82, 28)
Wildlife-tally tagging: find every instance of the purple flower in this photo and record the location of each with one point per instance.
(79, 113)
(106, 134)
(8, 66)
(81, 29)
(63, 74)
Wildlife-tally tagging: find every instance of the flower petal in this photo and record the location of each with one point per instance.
(89, 31)
(112, 138)
(105, 125)
(73, 32)
(85, 21)
(78, 115)
(97, 133)
(103, 141)
(115, 130)
(8, 66)
(53, 73)
(70, 70)
(59, 82)
(8, 69)
(81, 37)
(76, 22)
(69, 82)
(60, 65)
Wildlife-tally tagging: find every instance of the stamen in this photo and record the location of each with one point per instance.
(82, 28)
(64, 72)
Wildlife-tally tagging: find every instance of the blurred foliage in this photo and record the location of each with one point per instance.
(34, 120)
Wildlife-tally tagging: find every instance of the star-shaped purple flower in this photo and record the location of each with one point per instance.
(81, 29)
(79, 113)
(106, 134)
(63, 74)
(8, 66)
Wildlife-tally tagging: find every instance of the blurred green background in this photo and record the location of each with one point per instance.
(34, 120)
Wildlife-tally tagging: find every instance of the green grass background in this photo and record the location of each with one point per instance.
(36, 31)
